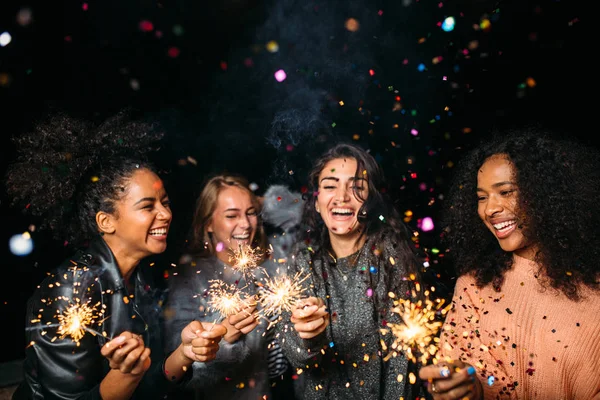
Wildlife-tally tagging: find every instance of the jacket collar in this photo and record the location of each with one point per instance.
(99, 255)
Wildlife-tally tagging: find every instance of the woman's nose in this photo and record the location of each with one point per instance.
(245, 222)
(342, 194)
(493, 206)
(164, 213)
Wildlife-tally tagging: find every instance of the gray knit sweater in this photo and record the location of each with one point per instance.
(240, 369)
(345, 361)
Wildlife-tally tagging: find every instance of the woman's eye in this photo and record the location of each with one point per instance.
(167, 204)
(230, 216)
(506, 192)
(357, 187)
(328, 187)
(252, 213)
(480, 198)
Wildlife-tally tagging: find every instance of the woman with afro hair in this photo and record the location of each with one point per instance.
(92, 325)
(522, 228)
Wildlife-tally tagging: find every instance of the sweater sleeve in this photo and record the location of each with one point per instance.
(462, 338)
(188, 301)
(298, 351)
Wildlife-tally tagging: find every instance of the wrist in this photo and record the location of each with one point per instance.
(126, 376)
(180, 358)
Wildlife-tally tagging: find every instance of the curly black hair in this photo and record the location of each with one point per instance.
(68, 169)
(558, 182)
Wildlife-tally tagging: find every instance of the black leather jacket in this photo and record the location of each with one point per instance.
(58, 367)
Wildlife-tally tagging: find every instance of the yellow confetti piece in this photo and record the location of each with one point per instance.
(272, 46)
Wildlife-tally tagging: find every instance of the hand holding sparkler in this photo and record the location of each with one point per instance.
(128, 354)
(453, 379)
(310, 317)
(200, 341)
(242, 322)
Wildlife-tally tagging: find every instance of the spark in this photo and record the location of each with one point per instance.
(281, 293)
(246, 258)
(416, 336)
(226, 299)
(76, 320)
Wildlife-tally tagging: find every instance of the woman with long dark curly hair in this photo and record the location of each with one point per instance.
(522, 229)
(358, 255)
(92, 325)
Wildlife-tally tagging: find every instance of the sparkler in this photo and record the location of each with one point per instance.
(416, 335)
(281, 293)
(226, 299)
(246, 258)
(76, 320)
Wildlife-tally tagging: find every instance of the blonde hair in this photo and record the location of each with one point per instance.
(200, 241)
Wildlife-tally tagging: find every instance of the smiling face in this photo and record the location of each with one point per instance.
(341, 194)
(233, 222)
(141, 221)
(497, 195)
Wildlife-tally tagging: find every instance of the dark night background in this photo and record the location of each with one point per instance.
(201, 69)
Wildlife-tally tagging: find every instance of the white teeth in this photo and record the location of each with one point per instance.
(158, 232)
(345, 211)
(504, 224)
(241, 237)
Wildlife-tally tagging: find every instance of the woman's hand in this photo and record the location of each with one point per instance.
(452, 380)
(127, 353)
(310, 317)
(200, 341)
(240, 323)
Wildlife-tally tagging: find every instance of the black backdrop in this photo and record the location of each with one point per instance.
(191, 73)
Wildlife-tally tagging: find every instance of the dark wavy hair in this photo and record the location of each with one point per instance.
(377, 215)
(558, 184)
(68, 169)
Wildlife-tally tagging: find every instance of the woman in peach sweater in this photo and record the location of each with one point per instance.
(525, 322)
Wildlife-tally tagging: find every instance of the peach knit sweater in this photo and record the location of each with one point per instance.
(534, 342)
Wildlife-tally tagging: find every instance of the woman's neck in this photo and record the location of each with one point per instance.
(528, 252)
(126, 262)
(225, 257)
(346, 246)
